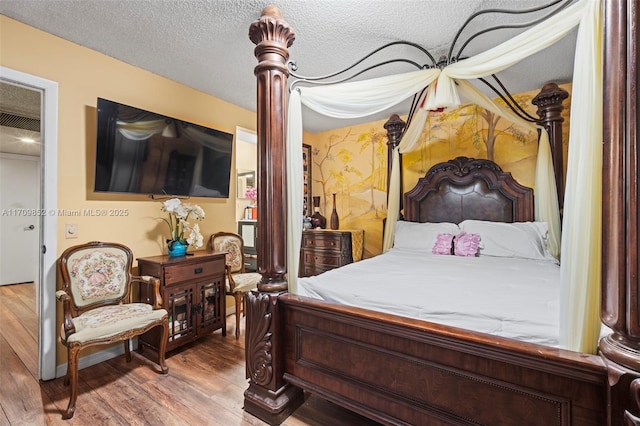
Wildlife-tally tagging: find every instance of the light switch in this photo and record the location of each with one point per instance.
(71, 230)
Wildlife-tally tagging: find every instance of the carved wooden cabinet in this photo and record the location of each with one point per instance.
(193, 293)
(323, 250)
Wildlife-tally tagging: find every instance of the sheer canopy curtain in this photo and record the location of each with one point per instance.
(581, 240)
(582, 222)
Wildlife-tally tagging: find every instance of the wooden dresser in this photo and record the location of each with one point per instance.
(193, 292)
(324, 249)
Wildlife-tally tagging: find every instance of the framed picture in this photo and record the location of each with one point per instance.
(306, 172)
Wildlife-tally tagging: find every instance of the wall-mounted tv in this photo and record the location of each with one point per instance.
(142, 152)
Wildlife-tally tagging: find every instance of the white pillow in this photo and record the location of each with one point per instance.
(414, 235)
(526, 240)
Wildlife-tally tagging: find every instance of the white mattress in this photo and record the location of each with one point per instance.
(509, 297)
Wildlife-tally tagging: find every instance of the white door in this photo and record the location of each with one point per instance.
(20, 220)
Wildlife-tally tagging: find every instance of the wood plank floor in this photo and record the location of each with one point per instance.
(205, 384)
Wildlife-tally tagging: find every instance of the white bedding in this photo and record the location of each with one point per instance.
(509, 297)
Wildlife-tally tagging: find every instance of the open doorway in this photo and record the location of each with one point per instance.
(20, 146)
(32, 102)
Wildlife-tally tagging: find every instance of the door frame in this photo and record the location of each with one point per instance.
(45, 291)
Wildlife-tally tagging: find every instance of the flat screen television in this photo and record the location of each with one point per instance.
(142, 152)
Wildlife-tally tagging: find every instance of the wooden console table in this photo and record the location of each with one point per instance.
(193, 292)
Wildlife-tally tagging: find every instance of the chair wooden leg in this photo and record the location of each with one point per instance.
(72, 378)
(68, 375)
(238, 297)
(244, 306)
(162, 346)
(127, 350)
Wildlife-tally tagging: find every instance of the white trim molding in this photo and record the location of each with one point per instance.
(45, 292)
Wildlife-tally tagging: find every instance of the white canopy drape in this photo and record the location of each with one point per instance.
(580, 268)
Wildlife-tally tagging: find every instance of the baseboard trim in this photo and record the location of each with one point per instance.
(96, 358)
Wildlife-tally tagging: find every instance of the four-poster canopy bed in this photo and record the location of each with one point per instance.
(398, 370)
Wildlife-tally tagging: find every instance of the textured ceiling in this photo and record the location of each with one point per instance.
(204, 44)
(19, 116)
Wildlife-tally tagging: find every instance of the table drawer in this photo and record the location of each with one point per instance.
(322, 259)
(321, 241)
(179, 273)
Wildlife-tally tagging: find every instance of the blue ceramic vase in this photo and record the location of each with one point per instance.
(177, 249)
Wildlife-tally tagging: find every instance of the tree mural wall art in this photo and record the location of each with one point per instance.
(325, 164)
(375, 142)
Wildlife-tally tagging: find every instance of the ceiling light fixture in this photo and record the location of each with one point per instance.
(27, 140)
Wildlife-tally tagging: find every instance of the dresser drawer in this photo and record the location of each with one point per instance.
(323, 250)
(310, 271)
(179, 273)
(318, 258)
(322, 242)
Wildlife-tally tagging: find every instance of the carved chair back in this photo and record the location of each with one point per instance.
(233, 245)
(96, 274)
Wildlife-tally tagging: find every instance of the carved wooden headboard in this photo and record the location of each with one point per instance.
(467, 188)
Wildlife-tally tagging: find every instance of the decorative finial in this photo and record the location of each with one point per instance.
(272, 10)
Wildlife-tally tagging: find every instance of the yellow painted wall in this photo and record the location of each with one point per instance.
(83, 75)
(352, 161)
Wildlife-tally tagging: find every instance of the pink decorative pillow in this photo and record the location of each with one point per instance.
(466, 244)
(444, 244)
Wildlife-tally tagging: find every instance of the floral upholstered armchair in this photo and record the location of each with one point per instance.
(238, 282)
(96, 296)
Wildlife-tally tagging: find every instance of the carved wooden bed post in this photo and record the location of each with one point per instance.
(394, 127)
(269, 397)
(620, 243)
(549, 103)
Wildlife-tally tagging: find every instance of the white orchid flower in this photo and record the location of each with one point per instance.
(171, 205)
(179, 214)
